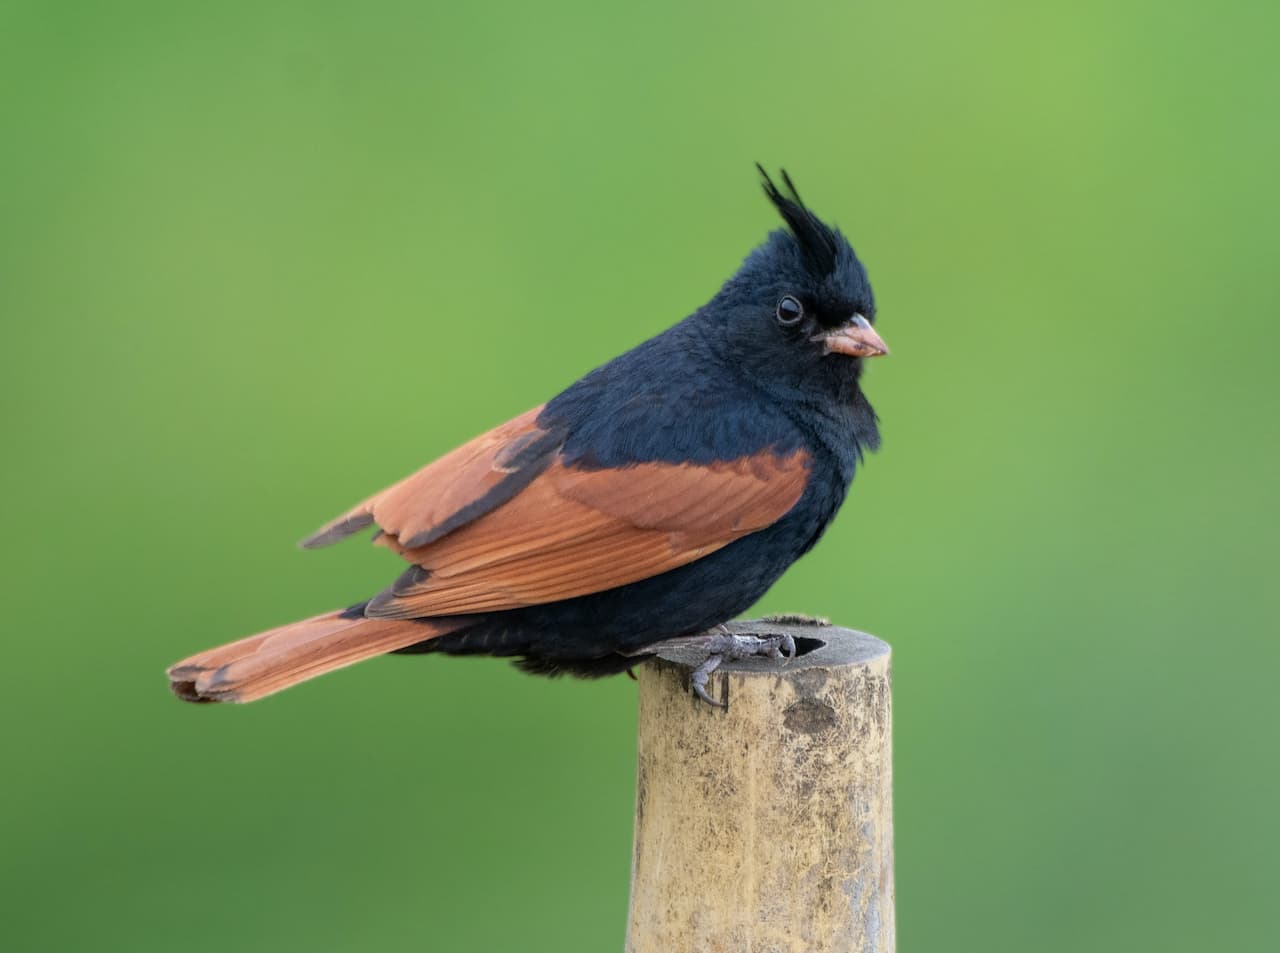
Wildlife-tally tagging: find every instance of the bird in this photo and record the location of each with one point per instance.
(650, 502)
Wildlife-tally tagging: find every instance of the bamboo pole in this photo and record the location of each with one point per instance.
(766, 827)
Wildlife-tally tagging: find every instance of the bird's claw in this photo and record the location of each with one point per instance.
(698, 680)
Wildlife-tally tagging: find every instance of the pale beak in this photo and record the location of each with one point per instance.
(856, 339)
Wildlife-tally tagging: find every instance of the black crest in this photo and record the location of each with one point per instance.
(817, 242)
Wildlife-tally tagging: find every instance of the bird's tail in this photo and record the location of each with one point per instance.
(265, 663)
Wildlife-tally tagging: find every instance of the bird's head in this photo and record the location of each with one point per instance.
(800, 302)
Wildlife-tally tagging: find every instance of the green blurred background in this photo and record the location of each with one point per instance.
(257, 260)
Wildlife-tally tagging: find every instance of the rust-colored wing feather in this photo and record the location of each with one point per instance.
(453, 490)
(502, 522)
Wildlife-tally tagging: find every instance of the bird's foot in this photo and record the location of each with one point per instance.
(725, 646)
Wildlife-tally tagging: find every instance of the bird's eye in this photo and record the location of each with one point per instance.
(789, 312)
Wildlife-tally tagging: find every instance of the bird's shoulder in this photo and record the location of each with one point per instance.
(667, 405)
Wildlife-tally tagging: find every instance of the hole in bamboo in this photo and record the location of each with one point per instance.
(805, 645)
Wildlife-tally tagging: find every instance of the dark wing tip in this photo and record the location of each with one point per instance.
(335, 532)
